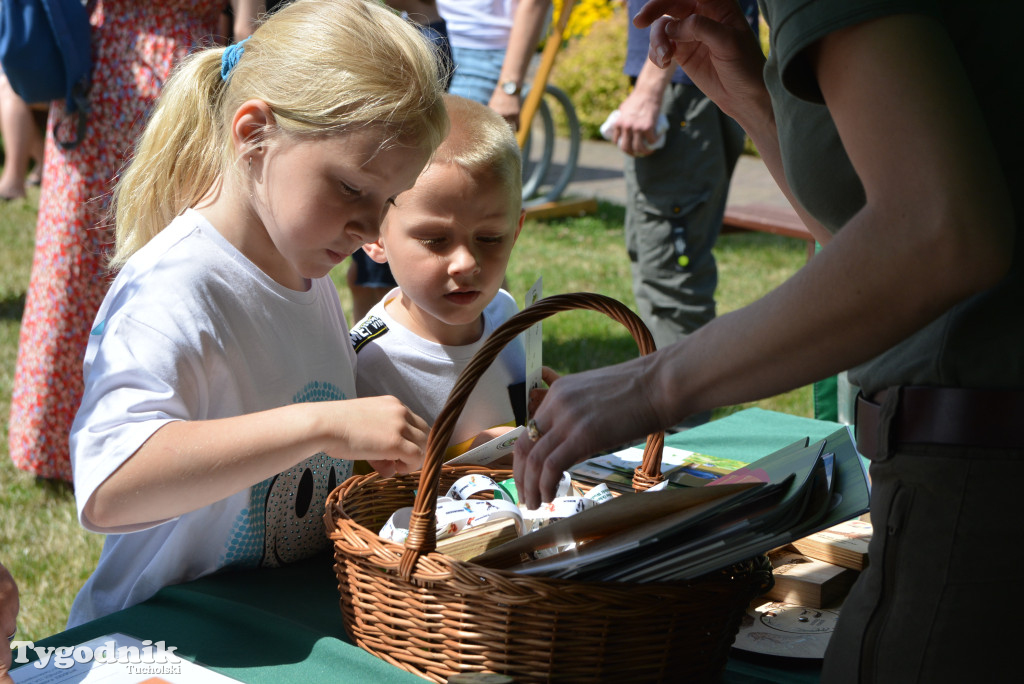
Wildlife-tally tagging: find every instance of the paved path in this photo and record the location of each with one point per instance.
(599, 174)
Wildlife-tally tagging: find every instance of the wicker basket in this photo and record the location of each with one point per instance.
(436, 616)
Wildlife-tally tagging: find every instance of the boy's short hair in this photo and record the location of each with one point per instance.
(481, 141)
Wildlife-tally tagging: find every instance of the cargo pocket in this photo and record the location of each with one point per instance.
(659, 240)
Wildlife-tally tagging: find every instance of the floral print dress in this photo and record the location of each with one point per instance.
(135, 45)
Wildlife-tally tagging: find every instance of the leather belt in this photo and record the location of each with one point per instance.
(938, 415)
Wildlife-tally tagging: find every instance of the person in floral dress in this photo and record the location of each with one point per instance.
(135, 46)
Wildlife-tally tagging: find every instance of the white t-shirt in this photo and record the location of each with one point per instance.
(192, 330)
(478, 24)
(394, 360)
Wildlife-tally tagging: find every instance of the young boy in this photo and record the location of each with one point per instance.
(448, 241)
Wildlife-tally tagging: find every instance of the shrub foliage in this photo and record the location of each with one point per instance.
(584, 14)
(589, 70)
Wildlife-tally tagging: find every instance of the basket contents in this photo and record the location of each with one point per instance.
(459, 514)
(684, 532)
(436, 615)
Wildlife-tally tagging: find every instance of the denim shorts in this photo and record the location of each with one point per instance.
(476, 73)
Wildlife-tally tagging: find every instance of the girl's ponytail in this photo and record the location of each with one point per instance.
(177, 159)
(322, 66)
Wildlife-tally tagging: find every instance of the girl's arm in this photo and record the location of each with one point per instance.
(186, 465)
(936, 228)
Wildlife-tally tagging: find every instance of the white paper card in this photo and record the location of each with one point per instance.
(491, 451)
(532, 340)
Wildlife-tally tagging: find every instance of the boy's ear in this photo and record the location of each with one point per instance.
(249, 126)
(375, 250)
(519, 227)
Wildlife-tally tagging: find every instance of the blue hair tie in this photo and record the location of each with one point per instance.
(230, 57)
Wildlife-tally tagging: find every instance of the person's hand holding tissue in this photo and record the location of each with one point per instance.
(633, 141)
(638, 127)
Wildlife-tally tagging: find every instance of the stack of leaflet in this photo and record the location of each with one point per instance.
(685, 532)
(681, 468)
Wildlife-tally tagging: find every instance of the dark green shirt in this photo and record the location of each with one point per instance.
(979, 342)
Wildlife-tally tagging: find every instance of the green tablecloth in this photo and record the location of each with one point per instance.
(748, 435)
(284, 625)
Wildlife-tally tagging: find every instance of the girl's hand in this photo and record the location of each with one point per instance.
(712, 41)
(382, 431)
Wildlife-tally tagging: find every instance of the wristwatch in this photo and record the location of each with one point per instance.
(510, 87)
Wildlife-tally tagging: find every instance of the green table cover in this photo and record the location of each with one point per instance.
(284, 625)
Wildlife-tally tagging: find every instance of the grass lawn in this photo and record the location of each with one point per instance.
(50, 555)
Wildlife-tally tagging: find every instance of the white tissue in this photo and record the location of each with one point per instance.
(661, 128)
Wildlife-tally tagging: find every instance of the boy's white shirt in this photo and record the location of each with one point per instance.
(192, 330)
(391, 359)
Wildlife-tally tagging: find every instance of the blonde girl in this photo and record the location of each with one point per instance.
(219, 401)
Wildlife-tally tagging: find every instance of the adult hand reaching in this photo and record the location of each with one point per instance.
(712, 41)
(582, 415)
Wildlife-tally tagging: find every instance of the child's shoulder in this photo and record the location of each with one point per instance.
(186, 271)
(178, 232)
(375, 324)
(188, 251)
(371, 328)
(501, 308)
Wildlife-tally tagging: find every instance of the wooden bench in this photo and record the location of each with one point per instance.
(767, 218)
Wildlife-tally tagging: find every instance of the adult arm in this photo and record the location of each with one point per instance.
(186, 465)
(937, 227)
(522, 43)
(712, 41)
(246, 13)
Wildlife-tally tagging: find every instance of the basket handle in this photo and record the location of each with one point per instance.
(422, 533)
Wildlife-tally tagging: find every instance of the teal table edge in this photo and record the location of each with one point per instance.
(285, 625)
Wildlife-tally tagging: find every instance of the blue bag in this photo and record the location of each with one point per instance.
(45, 51)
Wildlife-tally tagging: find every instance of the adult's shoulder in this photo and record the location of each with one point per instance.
(795, 25)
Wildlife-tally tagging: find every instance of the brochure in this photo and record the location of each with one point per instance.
(683, 533)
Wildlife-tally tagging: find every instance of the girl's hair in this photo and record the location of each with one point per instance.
(322, 66)
(482, 142)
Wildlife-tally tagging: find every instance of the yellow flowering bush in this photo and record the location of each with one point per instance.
(589, 70)
(585, 13)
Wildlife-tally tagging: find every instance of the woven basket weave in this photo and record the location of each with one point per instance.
(436, 616)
